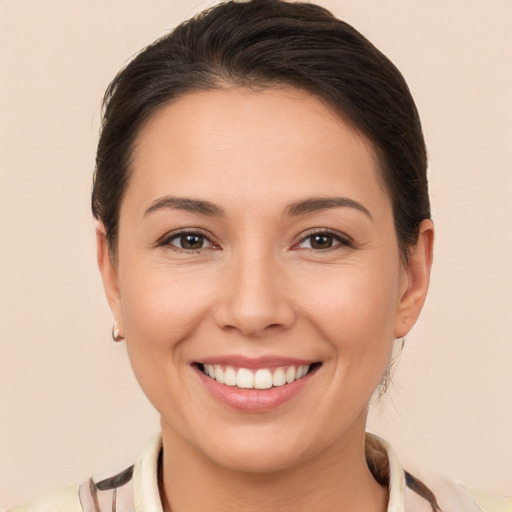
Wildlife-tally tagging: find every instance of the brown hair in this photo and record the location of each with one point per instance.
(267, 43)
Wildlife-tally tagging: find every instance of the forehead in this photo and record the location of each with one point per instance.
(271, 143)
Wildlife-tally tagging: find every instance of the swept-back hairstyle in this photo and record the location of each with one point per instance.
(269, 43)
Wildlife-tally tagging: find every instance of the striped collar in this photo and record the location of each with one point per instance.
(136, 488)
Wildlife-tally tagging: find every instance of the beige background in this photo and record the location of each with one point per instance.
(69, 404)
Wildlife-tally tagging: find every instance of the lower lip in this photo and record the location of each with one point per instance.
(254, 400)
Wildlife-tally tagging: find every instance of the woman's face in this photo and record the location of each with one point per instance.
(256, 241)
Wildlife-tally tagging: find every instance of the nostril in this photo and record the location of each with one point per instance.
(254, 311)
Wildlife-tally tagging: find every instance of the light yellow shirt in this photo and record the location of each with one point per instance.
(136, 489)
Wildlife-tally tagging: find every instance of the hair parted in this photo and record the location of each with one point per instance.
(269, 43)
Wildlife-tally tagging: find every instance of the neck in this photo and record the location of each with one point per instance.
(337, 479)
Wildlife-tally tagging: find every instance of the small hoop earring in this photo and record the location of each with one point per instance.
(115, 332)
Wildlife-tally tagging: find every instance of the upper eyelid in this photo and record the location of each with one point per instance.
(171, 235)
(342, 240)
(319, 231)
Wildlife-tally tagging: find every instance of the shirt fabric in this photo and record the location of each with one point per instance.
(136, 488)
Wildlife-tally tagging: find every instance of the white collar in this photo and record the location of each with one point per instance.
(138, 485)
(146, 496)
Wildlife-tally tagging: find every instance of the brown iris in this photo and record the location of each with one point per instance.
(191, 241)
(321, 241)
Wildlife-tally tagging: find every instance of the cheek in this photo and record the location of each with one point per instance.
(162, 309)
(354, 310)
(355, 304)
(161, 306)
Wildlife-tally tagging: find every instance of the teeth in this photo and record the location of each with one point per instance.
(301, 371)
(219, 374)
(230, 376)
(291, 374)
(210, 370)
(262, 378)
(244, 378)
(279, 377)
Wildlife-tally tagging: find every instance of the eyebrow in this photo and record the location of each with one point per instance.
(316, 204)
(189, 205)
(294, 209)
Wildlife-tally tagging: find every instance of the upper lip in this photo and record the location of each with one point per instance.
(240, 361)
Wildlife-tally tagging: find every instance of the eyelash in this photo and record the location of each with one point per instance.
(338, 240)
(168, 239)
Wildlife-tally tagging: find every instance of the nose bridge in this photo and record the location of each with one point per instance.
(256, 298)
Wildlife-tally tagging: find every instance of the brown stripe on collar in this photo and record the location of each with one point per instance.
(422, 490)
(116, 481)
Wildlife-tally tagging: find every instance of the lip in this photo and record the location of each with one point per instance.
(254, 400)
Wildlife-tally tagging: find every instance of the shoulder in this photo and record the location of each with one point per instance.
(446, 495)
(490, 502)
(422, 491)
(136, 486)
(61, 500)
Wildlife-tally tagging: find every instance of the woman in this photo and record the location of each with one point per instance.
(264, 237)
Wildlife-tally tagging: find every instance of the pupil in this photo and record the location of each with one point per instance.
(321, 242)
(191, 241)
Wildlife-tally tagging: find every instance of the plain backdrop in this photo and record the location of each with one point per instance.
(70, 406)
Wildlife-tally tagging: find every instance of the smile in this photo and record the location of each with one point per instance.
(261, 378)
(257, 385)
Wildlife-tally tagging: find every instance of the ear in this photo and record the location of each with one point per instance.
(417, 280)
(109, 275)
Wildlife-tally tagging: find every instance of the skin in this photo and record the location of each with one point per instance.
(257, 285)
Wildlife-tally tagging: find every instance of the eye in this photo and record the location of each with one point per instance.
(322, 240)
(189, 241)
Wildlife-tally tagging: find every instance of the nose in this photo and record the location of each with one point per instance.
(256, 297)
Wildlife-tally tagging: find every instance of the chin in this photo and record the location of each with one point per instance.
(258, 456)
(245, 448)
